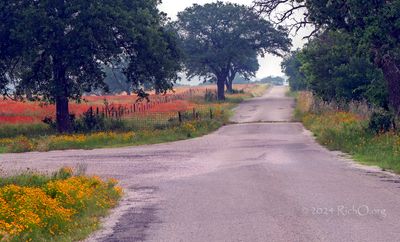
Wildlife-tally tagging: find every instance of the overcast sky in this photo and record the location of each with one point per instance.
(270, 65)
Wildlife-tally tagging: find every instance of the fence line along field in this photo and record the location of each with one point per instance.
(14, 112)
(109, 121)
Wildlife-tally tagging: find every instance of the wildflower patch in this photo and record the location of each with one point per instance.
(348, 131)
(58, 208)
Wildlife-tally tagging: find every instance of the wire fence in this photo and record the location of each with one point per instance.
(145, 114)
(145, 107)
(160, 120)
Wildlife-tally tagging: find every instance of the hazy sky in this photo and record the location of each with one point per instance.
(270, 65)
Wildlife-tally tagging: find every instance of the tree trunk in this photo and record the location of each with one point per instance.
(61, 98)
(229, 80)
(29, 95)
(229, 86)
(62, 115)
(221, 88)
(391, 72)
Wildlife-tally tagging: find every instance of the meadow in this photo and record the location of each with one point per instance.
(347, 130)
(17, 112)
(120, 120)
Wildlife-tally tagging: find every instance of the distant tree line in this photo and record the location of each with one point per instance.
(272, 80)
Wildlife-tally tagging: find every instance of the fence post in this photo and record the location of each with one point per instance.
(211, 114)
(180, 117)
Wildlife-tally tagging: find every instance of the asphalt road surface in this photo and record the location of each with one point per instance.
(263, 179)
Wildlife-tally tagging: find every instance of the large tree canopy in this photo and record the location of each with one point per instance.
(375, 24)
(336, 70)
(221, 40)
(55, 50)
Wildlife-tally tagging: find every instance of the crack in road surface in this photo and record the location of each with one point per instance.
(261, 179)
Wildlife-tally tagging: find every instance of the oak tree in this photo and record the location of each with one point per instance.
(55, 50)
(219, 38)
(375, 24)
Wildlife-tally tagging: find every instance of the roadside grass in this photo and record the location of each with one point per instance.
(109, 139)
(140, 130)
(349, 133)
(28, 130)
(59, 207)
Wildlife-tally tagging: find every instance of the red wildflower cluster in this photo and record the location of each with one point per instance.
(12, 112)
(178, 105)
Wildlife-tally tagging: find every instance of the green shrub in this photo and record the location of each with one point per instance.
(381, 122)
(91, 121)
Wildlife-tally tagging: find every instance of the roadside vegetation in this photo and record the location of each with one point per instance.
(348, 74)
(65, 206)
(206, 114)
(355, 129)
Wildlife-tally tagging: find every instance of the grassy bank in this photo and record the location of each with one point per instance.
(139, 130)
(60, 207)
(151, 135)
(348, 132)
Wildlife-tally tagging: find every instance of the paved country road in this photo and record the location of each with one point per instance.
(263, 179)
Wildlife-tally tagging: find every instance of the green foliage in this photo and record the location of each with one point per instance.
(332, 70)
(373, 26)
(333, 67)
(221, 40)
(381, 122)
(90, 121)
(273, 80)
(291, 67)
